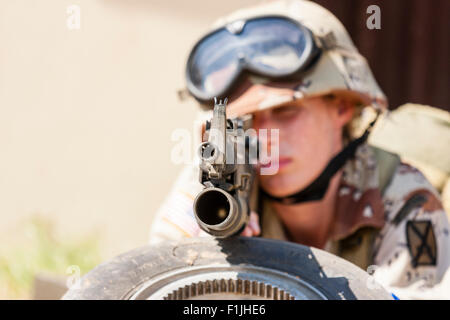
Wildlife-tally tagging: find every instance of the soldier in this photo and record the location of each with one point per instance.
(293, 67)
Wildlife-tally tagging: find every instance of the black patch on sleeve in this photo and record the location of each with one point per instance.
(415, 201)
(421, 243)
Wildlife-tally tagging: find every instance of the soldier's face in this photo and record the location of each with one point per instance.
(310, 134)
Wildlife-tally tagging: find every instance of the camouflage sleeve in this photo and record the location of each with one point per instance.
(175, 218)
(412, 253)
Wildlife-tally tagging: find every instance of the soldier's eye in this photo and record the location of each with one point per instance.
(285, 111)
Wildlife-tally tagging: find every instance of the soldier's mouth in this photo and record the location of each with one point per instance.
(282, 162)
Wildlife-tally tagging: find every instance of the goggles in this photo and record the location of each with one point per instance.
(274, 47)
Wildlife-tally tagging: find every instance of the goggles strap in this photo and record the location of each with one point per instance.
(316, 190)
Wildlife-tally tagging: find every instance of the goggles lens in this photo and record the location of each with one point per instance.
(270, 46)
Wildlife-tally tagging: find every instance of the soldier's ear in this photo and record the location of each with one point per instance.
(344, 111)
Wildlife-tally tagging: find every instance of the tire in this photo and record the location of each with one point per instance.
(231, 268)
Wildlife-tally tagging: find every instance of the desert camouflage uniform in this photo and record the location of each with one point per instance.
(399, 230)
(401, 235)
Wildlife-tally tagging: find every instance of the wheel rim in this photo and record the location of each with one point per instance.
(225, 282)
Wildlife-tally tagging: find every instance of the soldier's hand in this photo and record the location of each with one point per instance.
(252, 229)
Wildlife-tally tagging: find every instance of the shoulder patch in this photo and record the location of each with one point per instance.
(421, 243)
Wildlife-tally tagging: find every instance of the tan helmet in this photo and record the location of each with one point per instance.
(340, 70)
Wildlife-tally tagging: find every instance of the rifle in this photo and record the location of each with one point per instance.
(222, 208)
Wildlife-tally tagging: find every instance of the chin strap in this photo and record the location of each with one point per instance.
(316, 190)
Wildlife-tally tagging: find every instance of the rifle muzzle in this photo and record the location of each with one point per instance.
(218, 213)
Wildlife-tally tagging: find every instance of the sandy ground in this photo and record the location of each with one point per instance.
(86, 115)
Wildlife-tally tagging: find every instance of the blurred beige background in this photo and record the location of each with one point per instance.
(86, 115)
